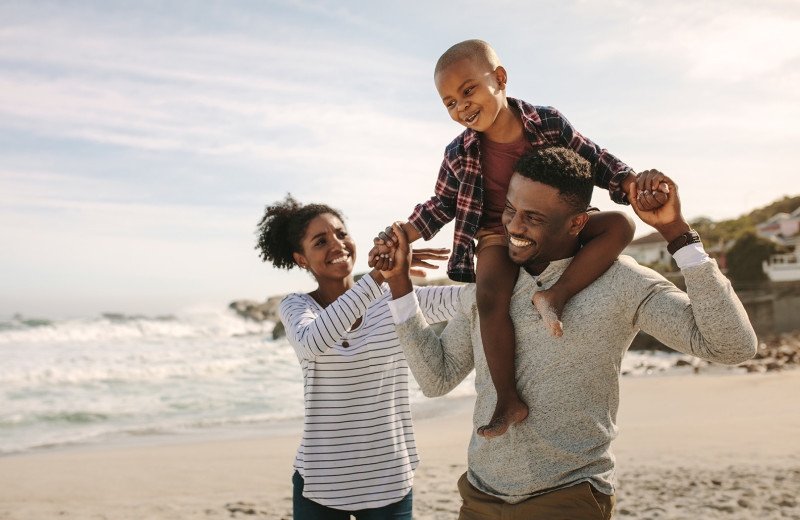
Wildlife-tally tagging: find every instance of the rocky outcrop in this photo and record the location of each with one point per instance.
(261, 311)
(257, 311)
(776, 353)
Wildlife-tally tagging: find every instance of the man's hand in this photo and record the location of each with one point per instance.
(398, 274)
(419, 259)
(667, 219)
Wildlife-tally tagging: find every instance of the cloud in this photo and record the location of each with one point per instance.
(701, 42)
(140, 141)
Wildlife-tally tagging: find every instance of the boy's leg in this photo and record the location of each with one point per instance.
(496, 278)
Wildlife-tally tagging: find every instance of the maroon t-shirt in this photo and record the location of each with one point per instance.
(497, 166)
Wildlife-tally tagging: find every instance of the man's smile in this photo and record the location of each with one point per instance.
(518, 242)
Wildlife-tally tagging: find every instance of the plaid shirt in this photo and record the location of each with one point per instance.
(459, 189)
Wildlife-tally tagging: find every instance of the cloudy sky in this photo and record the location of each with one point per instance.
(140, 141)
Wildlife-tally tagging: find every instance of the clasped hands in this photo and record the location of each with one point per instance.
(392, 254)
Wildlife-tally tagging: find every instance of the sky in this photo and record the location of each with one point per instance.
(141, 141)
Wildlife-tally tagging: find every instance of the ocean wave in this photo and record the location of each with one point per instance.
(110, 326)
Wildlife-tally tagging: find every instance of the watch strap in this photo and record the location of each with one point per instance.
(690, 237)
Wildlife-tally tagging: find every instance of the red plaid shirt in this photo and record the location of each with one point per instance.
(459, 189)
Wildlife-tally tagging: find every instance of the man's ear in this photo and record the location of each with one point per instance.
(300, 260)
(577, 222)
(501, 76)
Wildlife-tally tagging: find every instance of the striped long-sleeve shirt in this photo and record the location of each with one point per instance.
(358, 449)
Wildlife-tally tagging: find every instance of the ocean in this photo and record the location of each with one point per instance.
(107, 379)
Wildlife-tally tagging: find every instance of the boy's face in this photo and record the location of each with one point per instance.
(472, 92)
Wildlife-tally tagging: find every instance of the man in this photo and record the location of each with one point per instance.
(557, 463)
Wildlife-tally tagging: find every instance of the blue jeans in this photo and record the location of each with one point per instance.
(305, 509)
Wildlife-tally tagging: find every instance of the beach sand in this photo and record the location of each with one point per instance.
(694, 446)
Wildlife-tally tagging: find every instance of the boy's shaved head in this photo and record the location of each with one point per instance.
(477, 50)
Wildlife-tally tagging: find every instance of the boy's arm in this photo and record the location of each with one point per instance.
(429, 217)
(604, 237)
(609, 172)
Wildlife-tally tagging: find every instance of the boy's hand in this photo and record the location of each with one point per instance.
(383, 246)
(387, 237)
(667, 219)
(406, 261)
(401, 259)
(379, 252)
(651, 191)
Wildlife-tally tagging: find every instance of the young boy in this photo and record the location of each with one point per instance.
(471, 188)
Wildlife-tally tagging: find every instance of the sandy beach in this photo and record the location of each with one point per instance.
(690, 446)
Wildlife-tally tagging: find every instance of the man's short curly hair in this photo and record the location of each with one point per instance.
(283, 227)
(563, 169)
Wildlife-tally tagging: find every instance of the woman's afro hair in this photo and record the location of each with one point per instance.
(283, 227)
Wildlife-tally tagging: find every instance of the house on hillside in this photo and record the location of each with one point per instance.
(649, 249)
(783, 228)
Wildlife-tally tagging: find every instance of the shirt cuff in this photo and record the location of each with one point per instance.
(691, 255)
(404, 308)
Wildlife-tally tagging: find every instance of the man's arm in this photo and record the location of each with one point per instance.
(710, 322)
(438, 364)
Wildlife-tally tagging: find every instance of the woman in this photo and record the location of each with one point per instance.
(357, 455)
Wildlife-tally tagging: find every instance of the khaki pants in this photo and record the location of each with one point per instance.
(578, 502)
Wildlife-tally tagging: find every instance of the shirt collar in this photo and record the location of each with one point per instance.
(530, 117)
(530, 121)
(549, 276)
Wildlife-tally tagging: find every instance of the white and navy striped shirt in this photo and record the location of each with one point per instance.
(358, 448)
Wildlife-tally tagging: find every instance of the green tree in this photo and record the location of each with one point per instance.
(745, 257)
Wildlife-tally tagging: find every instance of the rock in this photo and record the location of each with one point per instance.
(279, 331)
(257, 311)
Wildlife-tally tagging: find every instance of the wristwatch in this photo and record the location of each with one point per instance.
(690, 237)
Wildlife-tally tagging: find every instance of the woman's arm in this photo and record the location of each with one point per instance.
(312, 334)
